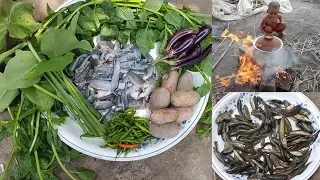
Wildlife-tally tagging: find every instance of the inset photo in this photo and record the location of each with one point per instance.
(266, 46)
(267, 135)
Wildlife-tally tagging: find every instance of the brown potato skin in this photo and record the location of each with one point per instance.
(168, 130)
(160, 98)
(184, 114)
(170, 81)
(185, 99)
(185, 82)
(162, 116)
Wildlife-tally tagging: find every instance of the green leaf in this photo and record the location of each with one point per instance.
(143, 15)
(54, 64)
(131, 24)
(124, 37)
(87, 24)
(74, 22)
(16, 18)
(58, 121)
(42, 100)
(124, 13)
(24, 166)
(6, 98)
(57, 42)
(6, 129)
(173, 18)
(5, 7)
(206, 66)
(17, 69)
(85, 174)
(162, 68)
(203, 132)
(153, 4)
(109, 31)
(160, 23)
(145, 40)
(102, 14)
(164, 40)
(204, 89)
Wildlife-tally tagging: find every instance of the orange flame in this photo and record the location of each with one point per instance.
(248, 71)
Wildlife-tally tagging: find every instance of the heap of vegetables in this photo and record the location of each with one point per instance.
(33, 70)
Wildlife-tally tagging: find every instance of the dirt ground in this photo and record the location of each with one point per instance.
(313, 96)
(302, 23)
(188, 160)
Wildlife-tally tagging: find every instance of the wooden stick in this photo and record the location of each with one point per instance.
(222, 55)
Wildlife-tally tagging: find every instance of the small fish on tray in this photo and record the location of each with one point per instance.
(115, 77)
(271, 149)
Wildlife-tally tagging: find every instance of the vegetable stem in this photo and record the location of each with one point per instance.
(203, 75)
(48, 93)
(35, 54)
(38, 165)
(37, 131)
(10, 113)
(6, 54)
(14, 137)
(39, 32)
(60, 163)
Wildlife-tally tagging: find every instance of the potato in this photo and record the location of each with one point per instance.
(185, 99)
(168, 130)
(184, 114)
(170, 81)
(160, 98)
(185, 82)
(161, 116)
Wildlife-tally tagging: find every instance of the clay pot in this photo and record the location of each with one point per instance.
(267, 45)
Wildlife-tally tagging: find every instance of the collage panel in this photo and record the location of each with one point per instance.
(266, 135)
(265, 118)
(247, 57)
(105, 89)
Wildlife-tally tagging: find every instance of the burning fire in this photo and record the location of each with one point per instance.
(248, 71)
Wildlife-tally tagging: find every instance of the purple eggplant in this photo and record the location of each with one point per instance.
(178, 35)
(197, 59)
(192, 53)
(183, 46)
(203, 33)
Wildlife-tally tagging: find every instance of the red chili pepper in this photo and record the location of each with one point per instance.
(128, 146)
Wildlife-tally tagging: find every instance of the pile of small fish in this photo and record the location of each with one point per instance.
(114, 78)
(273, 149)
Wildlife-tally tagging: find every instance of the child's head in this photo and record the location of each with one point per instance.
(273, 8)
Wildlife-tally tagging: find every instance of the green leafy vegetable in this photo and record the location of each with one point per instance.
(42, 100)
(85, 174)
(153, 4)
(54, 64)
(109, 31)
(74, 22)
(6, 98)
(6, 129)
(57, 42)
(173, 18)
(18, 67)
(124, 13)
(16, 20)
(206, 66)
(204, 89)
(145, 40)
(205, 122)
